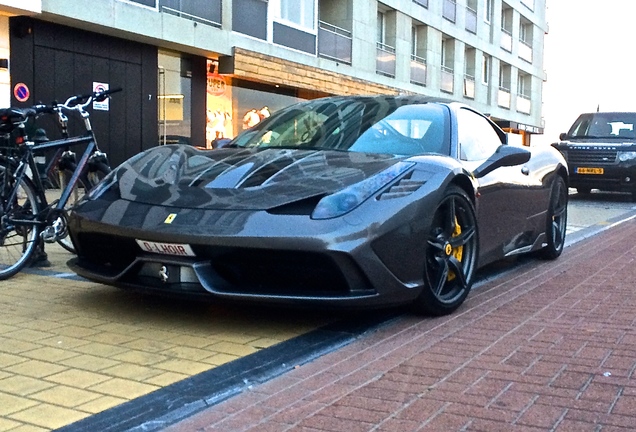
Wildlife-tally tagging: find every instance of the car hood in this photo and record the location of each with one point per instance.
(250, 179)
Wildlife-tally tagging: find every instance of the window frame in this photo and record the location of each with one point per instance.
(276, 10)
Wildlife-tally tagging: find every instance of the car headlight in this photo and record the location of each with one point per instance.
(624, 156)
(347, 199)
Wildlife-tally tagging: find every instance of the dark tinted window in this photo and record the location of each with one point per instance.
(373, 125)
(604, 125)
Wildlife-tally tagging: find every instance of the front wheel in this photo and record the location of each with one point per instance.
(556, 223)
(19, 231)
(451, 255)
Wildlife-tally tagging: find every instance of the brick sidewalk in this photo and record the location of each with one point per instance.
(548, 346)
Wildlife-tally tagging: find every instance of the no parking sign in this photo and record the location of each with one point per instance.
(21, 92)
(103, 105)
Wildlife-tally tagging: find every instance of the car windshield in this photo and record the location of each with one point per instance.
(357, 125)
(604, 125)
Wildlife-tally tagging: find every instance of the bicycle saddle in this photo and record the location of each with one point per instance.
(10, 118)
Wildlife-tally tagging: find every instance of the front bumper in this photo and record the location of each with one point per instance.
(617, 177)
(283, 263)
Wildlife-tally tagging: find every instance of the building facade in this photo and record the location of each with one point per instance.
(199, 70)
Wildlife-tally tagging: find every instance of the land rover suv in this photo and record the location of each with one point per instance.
(600, 149)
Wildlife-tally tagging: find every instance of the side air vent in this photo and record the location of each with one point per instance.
(401, 189)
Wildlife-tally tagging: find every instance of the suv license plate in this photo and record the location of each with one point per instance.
(582, 170)
(178, 249)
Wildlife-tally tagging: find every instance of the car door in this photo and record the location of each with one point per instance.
(500, 204)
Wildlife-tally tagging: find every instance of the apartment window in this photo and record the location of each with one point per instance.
(488, 11)
(486, 69)
(504, 76)
(525, 32)
(421, 2)
(470, 55)
(449, 10)
(418, 54)
(471, 16)
(524, 104)
(506, 18)
(523, 84)
(300, 13)
(525, 37)
(381, 27)
(448, 63)
(385, 46)
(503, 99)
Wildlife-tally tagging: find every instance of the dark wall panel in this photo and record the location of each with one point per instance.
(294, 38)
(250, 17)
(57, 61)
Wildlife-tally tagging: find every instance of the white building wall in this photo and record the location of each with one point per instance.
(124, 19)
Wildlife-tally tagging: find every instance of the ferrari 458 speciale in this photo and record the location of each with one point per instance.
(340, 201)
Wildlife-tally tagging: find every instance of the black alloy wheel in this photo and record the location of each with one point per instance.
(557, 220)
(451, 255)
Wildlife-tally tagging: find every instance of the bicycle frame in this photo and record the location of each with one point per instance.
(27, 160)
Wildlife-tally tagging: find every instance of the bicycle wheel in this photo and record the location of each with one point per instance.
(18, 237)
(80, 189)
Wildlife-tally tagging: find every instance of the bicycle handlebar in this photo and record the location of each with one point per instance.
(99, 96)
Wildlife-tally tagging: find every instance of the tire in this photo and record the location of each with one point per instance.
(556, 223)
(17, 241)
(451, 255)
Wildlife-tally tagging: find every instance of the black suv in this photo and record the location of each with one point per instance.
(600, 149)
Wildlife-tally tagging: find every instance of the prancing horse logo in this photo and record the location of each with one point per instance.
(163, 274)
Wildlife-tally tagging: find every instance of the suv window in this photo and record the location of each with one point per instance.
(604, 125)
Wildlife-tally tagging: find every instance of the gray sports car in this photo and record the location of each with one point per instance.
(352, 201)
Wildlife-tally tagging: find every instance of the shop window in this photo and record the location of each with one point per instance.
(175, 98)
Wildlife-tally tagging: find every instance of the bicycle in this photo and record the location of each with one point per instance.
(26, 215)
(60, 168)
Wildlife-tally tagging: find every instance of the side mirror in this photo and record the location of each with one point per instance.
(563, 136)
(505, 155)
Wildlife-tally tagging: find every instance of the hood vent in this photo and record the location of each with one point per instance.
(403, 188)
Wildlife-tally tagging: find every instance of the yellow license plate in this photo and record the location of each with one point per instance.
(582, 170)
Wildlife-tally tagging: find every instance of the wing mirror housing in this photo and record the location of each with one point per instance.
(563, 136)
(506, 155)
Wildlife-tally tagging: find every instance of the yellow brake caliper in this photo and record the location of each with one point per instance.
(458, 251)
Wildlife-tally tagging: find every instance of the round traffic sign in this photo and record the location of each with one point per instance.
(21, 92)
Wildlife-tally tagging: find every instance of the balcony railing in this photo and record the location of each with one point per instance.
(385, 60)
(471, 20)
(205, 12)
(524, 104)
(448, 77)
(334, 42)
(525, 51)
(469, 86)
(506, 40)
(503, 98)
(450, 10)
(418, 70)
(421, 2)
